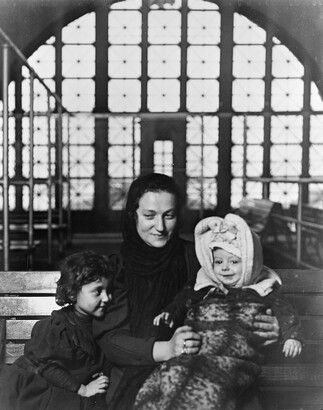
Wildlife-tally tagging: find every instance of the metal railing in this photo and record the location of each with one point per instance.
(299, 220)
(51, 181)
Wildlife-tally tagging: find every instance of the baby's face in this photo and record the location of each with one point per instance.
(226, 267)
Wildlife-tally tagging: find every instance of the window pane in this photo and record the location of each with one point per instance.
(202, 95)
(164, 61)
(249, 61)
(124, 95)
(43, 61)
(79, 61)
(201, 194)
(248, 95)
(78, 95)
(284, 193)
(247, 32)
(285, 64)
(80, 31)
(124, 27)
(316, 98)
(12, 197)
(163, 95)
(287, 95)
(124, 61)
(163, 157)
(203, 27)
(286, 160)
(203, 61)
(287, 129)
(250, 127)
(123, 157)
(202, 130)
(164, 27)
(40, 101)
(82, 173)
(82, 194)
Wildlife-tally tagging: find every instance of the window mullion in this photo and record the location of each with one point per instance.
(224, 158)
(144, 56)
(267, 118)
(306, 127)
(184, 45)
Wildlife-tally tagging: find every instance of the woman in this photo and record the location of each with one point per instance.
(155, 265)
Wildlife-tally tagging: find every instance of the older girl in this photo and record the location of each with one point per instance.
(61, 367)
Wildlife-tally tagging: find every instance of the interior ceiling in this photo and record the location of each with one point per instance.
(28, 22)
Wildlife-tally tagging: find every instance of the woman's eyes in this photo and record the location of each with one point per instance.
(152, 216)
(149, 216)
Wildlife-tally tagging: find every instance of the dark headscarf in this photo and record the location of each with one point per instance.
(153, 275)
(139, 257)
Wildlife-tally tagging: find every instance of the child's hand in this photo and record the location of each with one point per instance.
(98, 385)
(292, 348)
(164, 317)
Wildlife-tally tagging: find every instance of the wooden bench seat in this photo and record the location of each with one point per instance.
(285, 383)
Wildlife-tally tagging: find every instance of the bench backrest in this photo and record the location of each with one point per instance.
(256, 212)
(309, 213)
(285, 383)
(25, 297)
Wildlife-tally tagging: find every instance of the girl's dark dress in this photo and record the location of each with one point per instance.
(60, 356)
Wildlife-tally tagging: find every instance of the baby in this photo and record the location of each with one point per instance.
(231, 288)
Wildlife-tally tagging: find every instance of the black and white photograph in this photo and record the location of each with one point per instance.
(161, 204)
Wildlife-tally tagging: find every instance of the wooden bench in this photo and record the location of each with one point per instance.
(289, 384)
(257, 212)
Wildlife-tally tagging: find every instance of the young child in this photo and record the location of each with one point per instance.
(62, 368)
(231, 288)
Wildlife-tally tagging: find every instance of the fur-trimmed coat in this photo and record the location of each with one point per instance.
(229, 360)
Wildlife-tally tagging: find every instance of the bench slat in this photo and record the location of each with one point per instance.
(27, 306)
(292, 399)
(13, 351)
(307, 305)
(19, 329)
(297, 280)
(312, 328)
(297, 375)
(311, 353)
(28, 282)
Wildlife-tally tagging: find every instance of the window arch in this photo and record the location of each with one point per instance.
(238, 87)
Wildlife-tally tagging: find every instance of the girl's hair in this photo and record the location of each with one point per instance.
(80, 269)
(153, 182)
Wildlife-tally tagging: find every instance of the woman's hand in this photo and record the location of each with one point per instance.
(267, 327)
(183, 341)
(98, 385)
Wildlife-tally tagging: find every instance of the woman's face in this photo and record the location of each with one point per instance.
(156, 218)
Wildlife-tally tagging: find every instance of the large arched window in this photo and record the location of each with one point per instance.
(216, 97)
